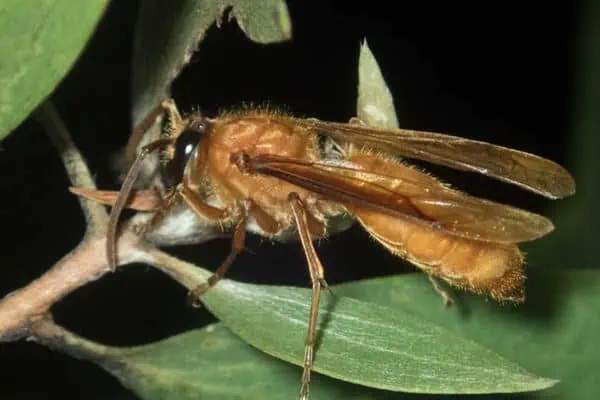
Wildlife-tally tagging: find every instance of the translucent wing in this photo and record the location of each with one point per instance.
(417, 197)
(528, 171)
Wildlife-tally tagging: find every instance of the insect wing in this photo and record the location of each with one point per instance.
(424, 200)
(525, 170)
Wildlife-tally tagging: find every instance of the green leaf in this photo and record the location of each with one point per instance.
(366, 343)
(375, 104)
(363, 343)
(554, 333)
(39, 42)
(168, 33)
(576, 218)
(212, 363)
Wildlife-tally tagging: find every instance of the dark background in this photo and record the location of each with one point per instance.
(496, 73)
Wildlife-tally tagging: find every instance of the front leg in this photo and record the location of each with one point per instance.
(202, 209)
(221, 216)
(121, 201)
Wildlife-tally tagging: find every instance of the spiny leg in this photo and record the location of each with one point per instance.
(174, 118)
(140, 130)
(446, 298)
(317, 278)
(128, 182)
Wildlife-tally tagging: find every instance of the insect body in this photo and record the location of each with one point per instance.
(279, 177)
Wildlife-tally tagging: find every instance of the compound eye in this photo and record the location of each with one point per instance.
(185, 144)
(184, 147)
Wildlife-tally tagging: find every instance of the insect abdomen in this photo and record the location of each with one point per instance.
(490, 268)
(480, 267)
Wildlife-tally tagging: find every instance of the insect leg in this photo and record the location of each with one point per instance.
(121, 201)
(166, 202)
(174, 118)
(446, 298)
(140, 130)
(237, 245)
(317, 277)
(202, 209)
(215, 214)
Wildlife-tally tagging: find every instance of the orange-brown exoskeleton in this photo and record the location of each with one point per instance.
(279, 176)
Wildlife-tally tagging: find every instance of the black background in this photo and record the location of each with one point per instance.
(495, 73)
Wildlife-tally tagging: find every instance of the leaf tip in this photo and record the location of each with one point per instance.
(375, 103)
(546, 383)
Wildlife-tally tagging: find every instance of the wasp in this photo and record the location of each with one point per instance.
(283, 177)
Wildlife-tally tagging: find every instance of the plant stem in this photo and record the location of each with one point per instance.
(22, 310)
(77, 170)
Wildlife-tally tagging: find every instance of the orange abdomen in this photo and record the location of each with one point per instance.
(482, 267)
(479, 267)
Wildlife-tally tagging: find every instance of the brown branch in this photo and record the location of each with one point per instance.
(87, 262)
(22, 310)
(77, 170)
(187, 274)
(46, 332)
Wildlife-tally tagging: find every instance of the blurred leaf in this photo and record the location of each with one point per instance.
(554, 333)
(580, 225)
(365, 343)
(576, 218)
(213, 363)
(168, 33)
(39, 42)
(375, 105)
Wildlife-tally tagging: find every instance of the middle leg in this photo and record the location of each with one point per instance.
(437, 287)
(237, 246)
(317, 277)
(249, 209)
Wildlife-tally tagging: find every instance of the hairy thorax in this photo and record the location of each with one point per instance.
(256, 135)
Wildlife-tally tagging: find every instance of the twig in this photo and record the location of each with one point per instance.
(87, 262)
(77, 170)
(187, 274)
(22, 310)
(46, 332)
